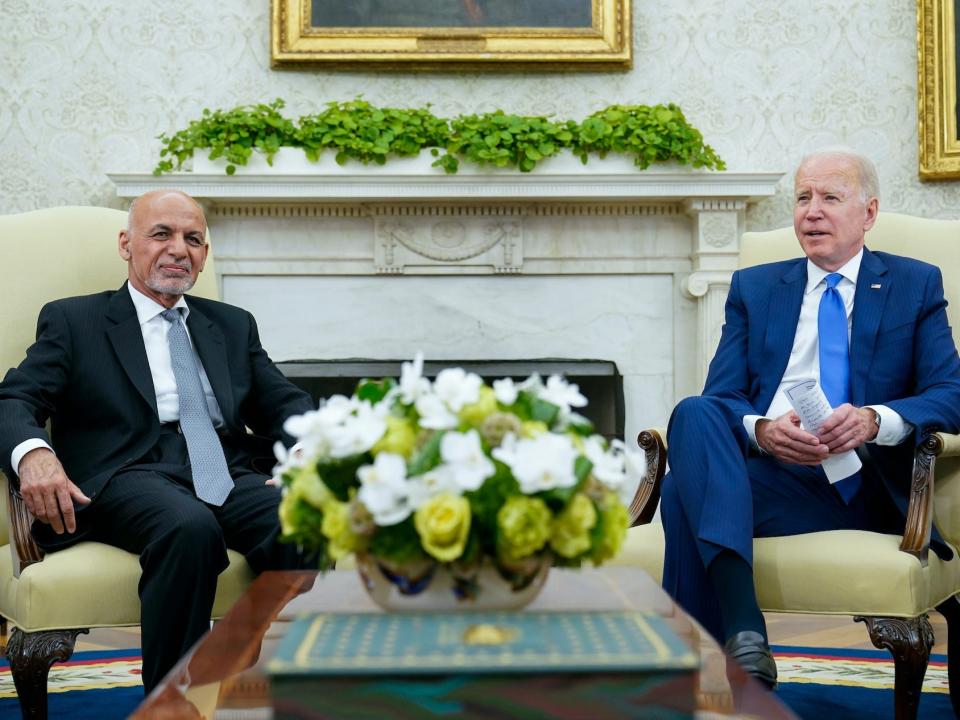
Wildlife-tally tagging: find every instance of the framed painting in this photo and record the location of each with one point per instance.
(938, 88)
(572, 34)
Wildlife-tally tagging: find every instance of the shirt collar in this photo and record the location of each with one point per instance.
(850, 270)
(147, 308)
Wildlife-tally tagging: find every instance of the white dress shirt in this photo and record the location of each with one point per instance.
(804, 360)
(154, 329)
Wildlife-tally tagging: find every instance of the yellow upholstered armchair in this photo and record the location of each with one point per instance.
(50, 254)
(888, 582)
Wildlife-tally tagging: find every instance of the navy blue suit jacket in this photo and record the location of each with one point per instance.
(902, 352)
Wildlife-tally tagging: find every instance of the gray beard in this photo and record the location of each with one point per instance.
(170, 286)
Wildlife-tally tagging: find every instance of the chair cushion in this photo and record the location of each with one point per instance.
(841, 572)
(92, 585)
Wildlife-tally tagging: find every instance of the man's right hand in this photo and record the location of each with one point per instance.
(47, 491)
(785, 440)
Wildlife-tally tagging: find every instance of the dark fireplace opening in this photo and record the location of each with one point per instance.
(599, 380)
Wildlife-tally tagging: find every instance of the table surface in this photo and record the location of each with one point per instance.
(224, 673)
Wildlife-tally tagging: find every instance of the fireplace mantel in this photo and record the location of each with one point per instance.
(380, 184)
(598, 261)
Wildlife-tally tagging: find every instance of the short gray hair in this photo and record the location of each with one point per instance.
(866, 170)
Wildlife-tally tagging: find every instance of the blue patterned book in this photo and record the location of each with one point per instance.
(479, 642)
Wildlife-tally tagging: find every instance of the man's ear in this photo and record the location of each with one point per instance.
(873, 207)
(123, 245)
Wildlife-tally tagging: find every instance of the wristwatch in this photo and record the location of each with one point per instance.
(876, 420)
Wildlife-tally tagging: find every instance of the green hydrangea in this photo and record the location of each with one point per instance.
(570, 531)
(523, 527)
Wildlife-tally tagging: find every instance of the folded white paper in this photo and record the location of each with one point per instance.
(812, 406)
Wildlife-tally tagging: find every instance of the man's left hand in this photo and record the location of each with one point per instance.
(848, 427)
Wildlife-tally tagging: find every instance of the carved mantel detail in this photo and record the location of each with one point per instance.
(494, 242)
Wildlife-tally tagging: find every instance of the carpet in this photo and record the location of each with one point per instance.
(93, 685)
(820, 683)
(816, 683)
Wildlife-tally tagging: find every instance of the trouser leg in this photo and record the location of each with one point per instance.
(182, 551)
(251, 526)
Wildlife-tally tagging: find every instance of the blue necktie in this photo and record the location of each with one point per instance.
(835, 362)
(211, 478)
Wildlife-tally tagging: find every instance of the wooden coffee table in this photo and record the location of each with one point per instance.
(224, 673)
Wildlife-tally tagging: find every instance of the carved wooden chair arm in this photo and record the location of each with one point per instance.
(916, 532)
(25, 550)
(647, 497)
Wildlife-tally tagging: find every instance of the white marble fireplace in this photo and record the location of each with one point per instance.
(599, 262)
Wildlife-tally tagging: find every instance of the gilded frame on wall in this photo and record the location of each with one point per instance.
(937, 89)
(570, 34)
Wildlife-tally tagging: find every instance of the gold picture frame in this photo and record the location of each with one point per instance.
(474, 34)
(937, 89)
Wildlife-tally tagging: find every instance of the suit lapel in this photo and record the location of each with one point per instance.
(127, 340)
(868, 303)
(208, 340)
(783, 314)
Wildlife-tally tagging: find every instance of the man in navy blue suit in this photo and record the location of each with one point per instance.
(741, 465)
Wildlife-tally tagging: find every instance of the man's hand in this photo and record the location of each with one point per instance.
(785, 440)
(47, 491)
(848, 427)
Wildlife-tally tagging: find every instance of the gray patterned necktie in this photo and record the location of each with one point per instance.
(211, 478)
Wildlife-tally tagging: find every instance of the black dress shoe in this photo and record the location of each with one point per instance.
(750, 650)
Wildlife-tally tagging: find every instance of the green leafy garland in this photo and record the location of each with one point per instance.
(360, 131)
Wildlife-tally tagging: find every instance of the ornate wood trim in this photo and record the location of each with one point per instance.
(647, 497)
(25, 550)
(916, 532)
(909, 641)
(30, 656)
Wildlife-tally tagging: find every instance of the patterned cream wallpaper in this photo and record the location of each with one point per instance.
(86, 86)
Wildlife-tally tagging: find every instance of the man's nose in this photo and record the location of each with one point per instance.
(177, 245)
(814, 208)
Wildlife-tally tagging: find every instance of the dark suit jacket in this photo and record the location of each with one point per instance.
(902, 352)
(88, 374)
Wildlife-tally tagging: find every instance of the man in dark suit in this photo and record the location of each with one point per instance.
(872, 329)
(149, 393)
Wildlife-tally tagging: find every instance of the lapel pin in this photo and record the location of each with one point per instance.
(875, 286)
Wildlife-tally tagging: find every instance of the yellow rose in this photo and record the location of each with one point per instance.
(523, 527)
(399, 439)
(336, 528)
(533, 428)
(570, 531)
(443, 523)
(475, 413)
(287, 508)
(308, 485)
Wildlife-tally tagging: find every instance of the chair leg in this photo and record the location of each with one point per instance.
(30, 656)
(950, 609)
(909, 640)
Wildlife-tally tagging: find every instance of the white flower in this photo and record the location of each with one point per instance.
(434, 413)
(288, 459)
(608, 466)
(541, 463)
(383, 489)
(456, 387)
(465, 456)
(562, 394)
(433, 482)
(505, 391)
(532, 384)
(412, 382)
(340, 427)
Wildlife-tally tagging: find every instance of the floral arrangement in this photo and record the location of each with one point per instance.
(415, 474)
